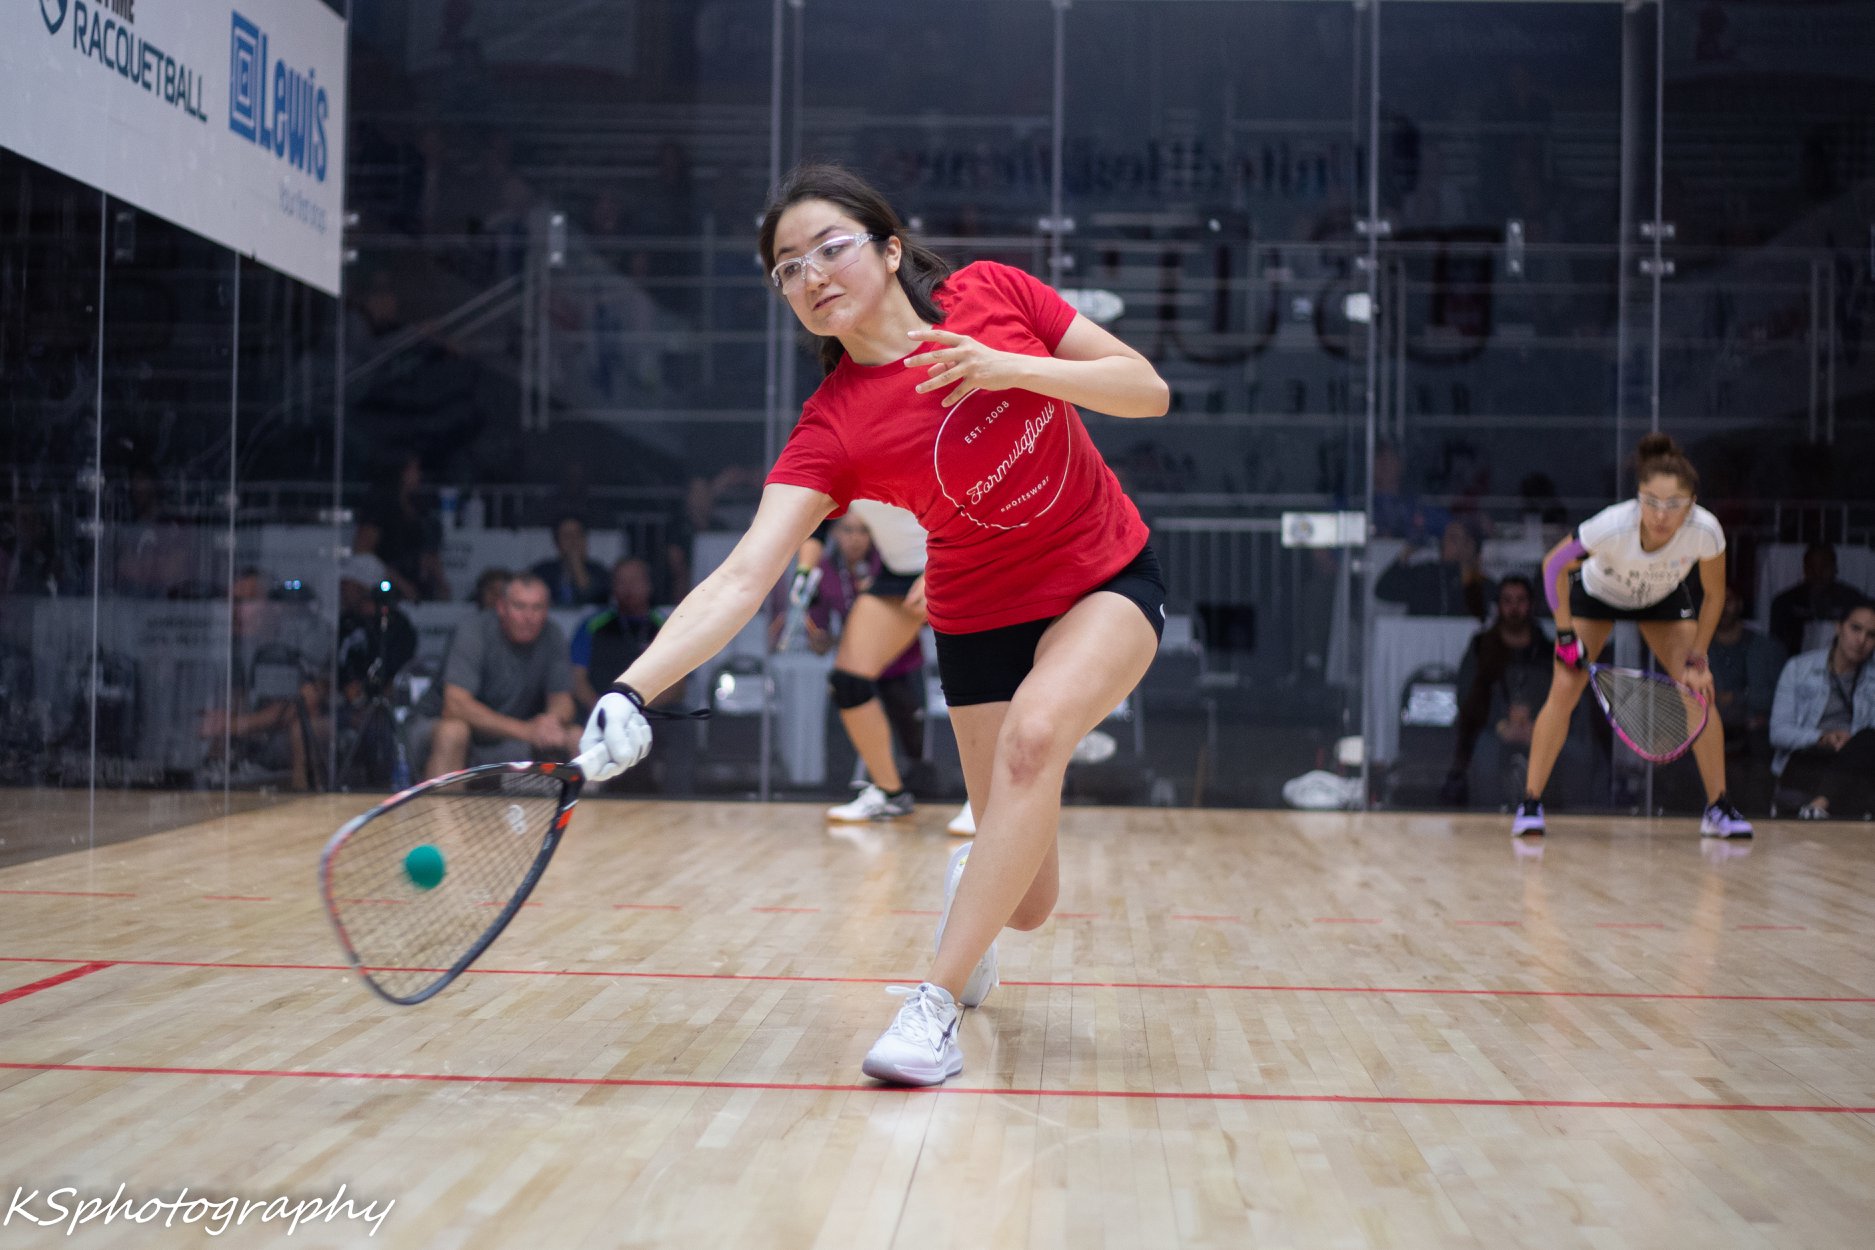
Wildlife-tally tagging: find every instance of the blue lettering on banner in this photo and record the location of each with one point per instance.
(98, 35)
(273, 105)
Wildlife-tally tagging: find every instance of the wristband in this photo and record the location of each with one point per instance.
(655, 713)
(1696, 662)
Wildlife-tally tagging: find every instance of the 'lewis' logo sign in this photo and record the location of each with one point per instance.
(274, 105)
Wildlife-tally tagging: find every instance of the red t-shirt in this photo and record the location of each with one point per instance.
(1024, 516)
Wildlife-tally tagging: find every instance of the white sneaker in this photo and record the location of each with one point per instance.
(963, 824)
(921, 1046)
(872, 804)
(983, 977)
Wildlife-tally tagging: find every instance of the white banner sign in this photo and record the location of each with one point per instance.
(226, 118)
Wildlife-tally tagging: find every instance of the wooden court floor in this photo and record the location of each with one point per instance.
(1243, 1029)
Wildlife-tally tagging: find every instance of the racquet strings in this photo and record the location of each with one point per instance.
(490, 829)
(1659, 717)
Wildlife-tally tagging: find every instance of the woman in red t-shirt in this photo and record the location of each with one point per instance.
(951, 395)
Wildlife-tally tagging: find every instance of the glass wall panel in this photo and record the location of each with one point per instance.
(1508, 354)
(174, 724)
(1209, 196)
(49, 276)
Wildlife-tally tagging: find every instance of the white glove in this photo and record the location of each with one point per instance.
(617, 736)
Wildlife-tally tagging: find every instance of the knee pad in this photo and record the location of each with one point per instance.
(850, 690)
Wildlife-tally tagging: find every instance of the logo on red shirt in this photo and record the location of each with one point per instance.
(1002, 456)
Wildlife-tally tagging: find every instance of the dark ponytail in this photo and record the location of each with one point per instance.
(1659, 453)
(921, 271)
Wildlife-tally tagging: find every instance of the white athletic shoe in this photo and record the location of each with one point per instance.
(963, 824)
(872, 804)
(921, 1046)
(983, 977)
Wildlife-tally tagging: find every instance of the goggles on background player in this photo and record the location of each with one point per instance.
(827, 258)
(1679, 503)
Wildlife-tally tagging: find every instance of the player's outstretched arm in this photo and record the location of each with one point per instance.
(729, 598)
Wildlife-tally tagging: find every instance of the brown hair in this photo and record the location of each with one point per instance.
(1658, 454)
(920, 272)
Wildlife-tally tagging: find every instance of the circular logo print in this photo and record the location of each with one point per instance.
(1002, 456)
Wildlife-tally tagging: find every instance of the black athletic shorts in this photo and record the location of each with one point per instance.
(890, 585)
(1681, 604)
(986, 667)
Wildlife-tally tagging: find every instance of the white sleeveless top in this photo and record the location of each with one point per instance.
(896, 535)
(1621, 575)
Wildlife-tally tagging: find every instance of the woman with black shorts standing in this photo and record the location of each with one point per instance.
(952, 395)
(1659, 560)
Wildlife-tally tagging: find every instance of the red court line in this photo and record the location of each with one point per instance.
(1233, 919)
(1498, 924)
(1344, 920)
(1773, 928)
(621, 1082)
(70, 974)
(1637, 924)
(788, 910)
(646, 907)
(74, 893)
(236, 898)
(1243, 988)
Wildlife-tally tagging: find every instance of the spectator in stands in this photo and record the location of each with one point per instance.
(573, 579)
(1503, 680)
(507, 687)
(489, 587)
(610, 639)
(280, 659)
(1397, 512)
(151, 550)
(1453, 586)
(1818, 597)
(1744, 666)
(399, 527)
(1823, 722)
(376, 637)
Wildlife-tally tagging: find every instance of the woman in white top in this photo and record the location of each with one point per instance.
(1657, 560)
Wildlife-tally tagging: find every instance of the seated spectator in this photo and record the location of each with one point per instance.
(399, 526)
(572, 579)
(489, 587)
(608, 641)
(1823, 722)
(1453, 586)
(1818, 597)
(1744, 666)
(507, 687)
(1504, 677)
(279, 662)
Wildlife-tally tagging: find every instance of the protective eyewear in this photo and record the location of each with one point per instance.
(828, 258)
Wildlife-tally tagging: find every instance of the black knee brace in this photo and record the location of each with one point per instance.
(850, 690)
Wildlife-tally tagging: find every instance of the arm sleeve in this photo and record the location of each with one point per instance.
(816, 458)
(1040, 304)
(1553, 567)
(1788, 733)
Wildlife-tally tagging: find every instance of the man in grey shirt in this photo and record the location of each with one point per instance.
(507, 686)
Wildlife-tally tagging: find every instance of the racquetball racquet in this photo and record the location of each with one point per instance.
(1658, 717)
(800, 598)
(420, 885)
